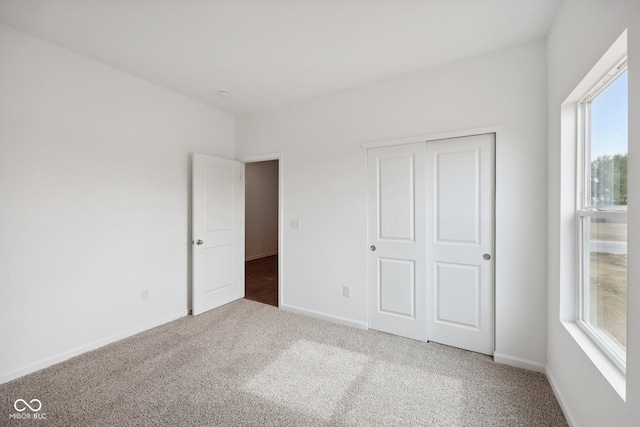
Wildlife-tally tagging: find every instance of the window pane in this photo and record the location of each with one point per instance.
(608, 146)
(605, 302)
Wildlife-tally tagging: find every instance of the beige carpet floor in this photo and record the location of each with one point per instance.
(249, 364)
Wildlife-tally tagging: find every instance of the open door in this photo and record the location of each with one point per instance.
(218, 232)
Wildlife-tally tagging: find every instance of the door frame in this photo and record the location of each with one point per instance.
(497, 131)
(264, 158)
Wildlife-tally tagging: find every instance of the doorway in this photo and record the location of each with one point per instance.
(261, 231)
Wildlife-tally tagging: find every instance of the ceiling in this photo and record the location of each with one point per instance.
(271, 52)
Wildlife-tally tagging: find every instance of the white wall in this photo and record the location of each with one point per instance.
(94, 201)
(581, 34)
(323, 169)
(261, 209)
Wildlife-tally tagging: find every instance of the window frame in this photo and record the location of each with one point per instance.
(585, 211)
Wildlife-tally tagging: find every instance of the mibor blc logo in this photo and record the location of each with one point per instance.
(33, 406)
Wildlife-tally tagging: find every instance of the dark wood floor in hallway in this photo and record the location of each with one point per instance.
(261, 280)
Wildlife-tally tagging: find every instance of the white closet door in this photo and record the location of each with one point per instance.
(460, 242)
(396, 196)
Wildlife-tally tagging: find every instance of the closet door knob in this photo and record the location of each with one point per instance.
(373, 248)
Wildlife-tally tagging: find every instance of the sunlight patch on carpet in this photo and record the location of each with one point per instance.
(309, 377)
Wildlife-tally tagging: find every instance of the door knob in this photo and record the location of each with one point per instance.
(199, 242)
(373, 248)
(486, 256)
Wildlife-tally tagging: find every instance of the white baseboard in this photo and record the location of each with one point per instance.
(263, 255)
(17, 373)
(324, 316)
(560, 399)
(519, 362)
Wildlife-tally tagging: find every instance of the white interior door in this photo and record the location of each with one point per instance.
(218, 232)
(460, 242)
(396, 196)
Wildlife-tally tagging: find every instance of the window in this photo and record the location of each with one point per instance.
(602, 214)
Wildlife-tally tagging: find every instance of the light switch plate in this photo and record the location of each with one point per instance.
(295, 224)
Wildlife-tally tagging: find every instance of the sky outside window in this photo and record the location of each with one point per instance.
(609, 119)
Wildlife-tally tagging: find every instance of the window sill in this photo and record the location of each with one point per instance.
(607, 368)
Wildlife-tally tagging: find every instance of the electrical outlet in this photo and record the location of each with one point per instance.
(346, 291)
(146, 294)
